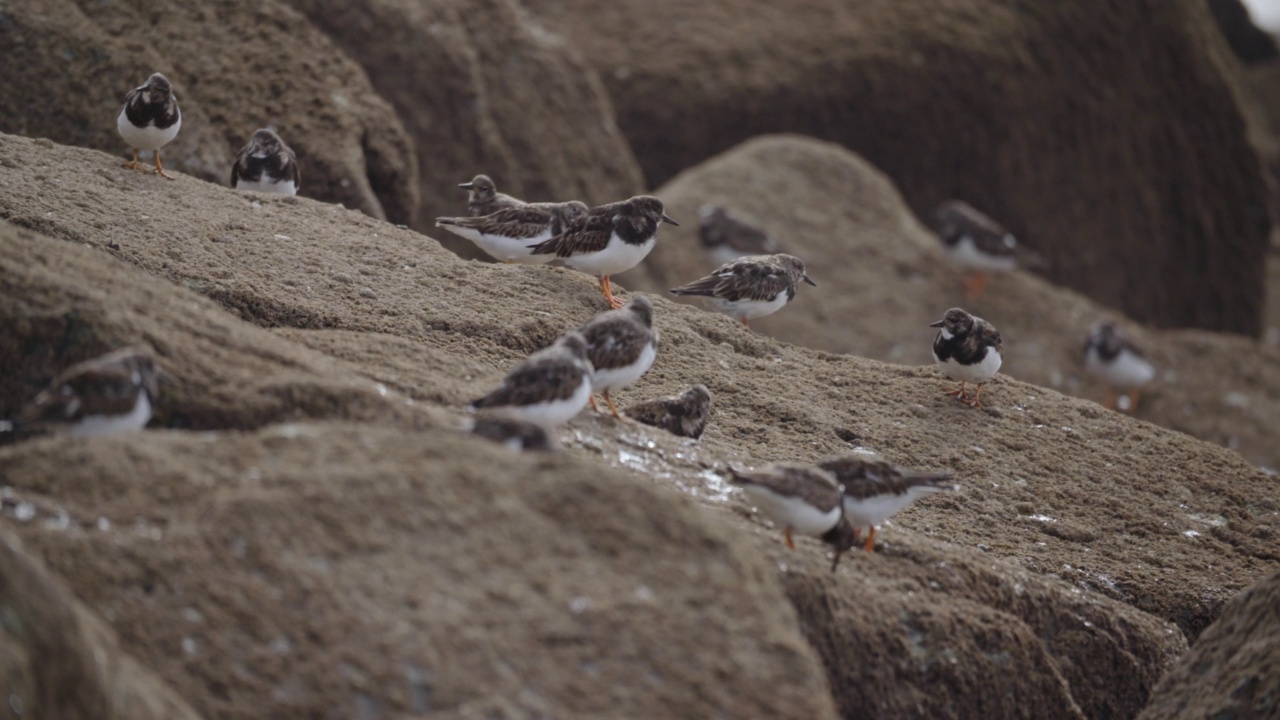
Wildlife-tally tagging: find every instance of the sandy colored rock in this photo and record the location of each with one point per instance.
(482, 87)
(1106, 135)
(58, 661)
(1234, 668)
(882, 279)
(236, 66)
(384, 531)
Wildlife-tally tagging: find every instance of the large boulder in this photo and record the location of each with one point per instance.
(882, 279)
(1234, 669)
(236, 66)
(57, 660)
(483, 88)
(355, 554)
(1107, 135)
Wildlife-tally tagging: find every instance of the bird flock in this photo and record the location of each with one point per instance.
(835, 500)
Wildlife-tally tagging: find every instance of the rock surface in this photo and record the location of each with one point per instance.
(482, 88)
(236, 66)
(342, 548)
(1234, 669)
(1105, 135)
(882, 279)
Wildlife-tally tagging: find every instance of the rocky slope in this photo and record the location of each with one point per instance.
(302, 531)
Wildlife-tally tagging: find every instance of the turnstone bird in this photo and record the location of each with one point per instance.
(684, 415)
(750, 287)
(609, 239)
(483, 197)
(967, 349)
(149, 120)
(875, 490)
(975, 242)
(1112, 357)
(266, 164)
(621, 345)
(547, 388)
(517, 435)
(506, 234)
(727, 237)
(801, 499)
(111, 393)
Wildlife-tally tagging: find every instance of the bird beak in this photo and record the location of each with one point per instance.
(940, 323)
(667, 219)
(466, 185)
(809, 280)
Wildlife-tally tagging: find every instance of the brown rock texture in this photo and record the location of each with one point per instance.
(482, 87)
(1234, 668)
(355, 553)
(882, 279)
(1106, 135)
(59, 661)
(236, 66)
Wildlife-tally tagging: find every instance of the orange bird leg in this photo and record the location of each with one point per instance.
(787, 535)
(1110, 404)
(592, 400)
(871, 540)
(160, 168)
(135, 165)
(605, 285)
(744, 323)
(974, 283)
(1133, 400)
(959, 393)
(612, 408)
(976, 401)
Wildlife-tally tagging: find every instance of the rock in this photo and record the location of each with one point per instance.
(236, 66)
(1233, 669)
(57, 660)
(881, 281)
(482, 87)
(325, 551)
(1105, 135)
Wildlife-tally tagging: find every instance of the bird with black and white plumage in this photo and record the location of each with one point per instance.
(506, 234)
(621, 345)
(800, 499)
(685, 415)
(149, 120)
(1112, 357)
(112, 393)
(548, 388)
(266, 164)
(975, 242)
(609, 239)
(750, 287)
(874, 490)
(968, 349)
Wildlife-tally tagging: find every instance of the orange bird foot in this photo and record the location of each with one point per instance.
(960, 393)
(976, 400)
(871, 541)
(612, 407)
(607, 288)
(160, 168)
(787, 534)
(135, 165)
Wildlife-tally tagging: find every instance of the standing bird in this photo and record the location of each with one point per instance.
(975, 242)
(801, 499)
(267, 165)
(875, 490)
(149, 120)
(727, 236)
(609, 239)
(547, 388)
(967, 349)
(751, 287)
(505, 235)
(1112, 357)
(111, 393)
(621, 345)
(483, 197)
(685, 415)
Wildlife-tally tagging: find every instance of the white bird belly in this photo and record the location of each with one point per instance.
(616, 257)
(965, 253)
(263, 184)
(551, 414)
(872, 511)
(618, 378)
(1127, 370)
(505, 249)
(977, 373)
(750, 309)
(794, 513)
(136, 419)
(146, 138)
